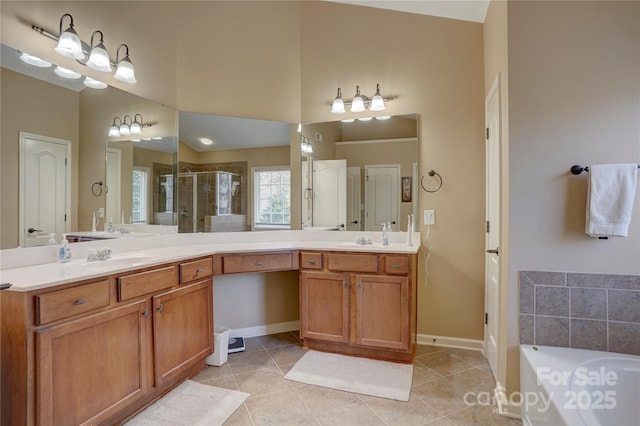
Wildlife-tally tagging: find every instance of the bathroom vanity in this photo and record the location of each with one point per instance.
(97, 342)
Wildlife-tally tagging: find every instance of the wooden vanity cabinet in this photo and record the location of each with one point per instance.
(359, 304)
(98, 351)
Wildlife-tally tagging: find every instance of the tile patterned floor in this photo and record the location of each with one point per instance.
(441, 378)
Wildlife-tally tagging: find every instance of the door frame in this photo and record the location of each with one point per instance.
(22, 159)
(116, 193)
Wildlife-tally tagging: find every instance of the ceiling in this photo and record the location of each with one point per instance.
(466, 10)
(231, 132)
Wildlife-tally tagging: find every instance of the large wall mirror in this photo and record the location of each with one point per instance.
(54, 126)
(359, 174)
(233, 174)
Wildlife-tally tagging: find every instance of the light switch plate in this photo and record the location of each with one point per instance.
(429, 217)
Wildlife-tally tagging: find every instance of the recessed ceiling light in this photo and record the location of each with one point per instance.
(206, 141)
(34, 60)
(66, 73)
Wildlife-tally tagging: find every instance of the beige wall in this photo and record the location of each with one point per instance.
(574, 98)
(33, 106)
(434, 67)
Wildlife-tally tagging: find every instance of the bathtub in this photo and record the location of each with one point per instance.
(578, 387)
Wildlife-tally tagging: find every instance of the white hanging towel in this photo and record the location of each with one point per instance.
(612, 188)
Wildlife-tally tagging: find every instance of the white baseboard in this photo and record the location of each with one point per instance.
(263, 330)
(451, 342)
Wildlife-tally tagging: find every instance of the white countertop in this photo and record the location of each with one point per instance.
(35, 268)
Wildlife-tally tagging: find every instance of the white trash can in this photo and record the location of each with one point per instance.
(220, 346)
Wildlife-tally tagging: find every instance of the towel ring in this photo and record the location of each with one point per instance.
(431, 173)
(96, 188)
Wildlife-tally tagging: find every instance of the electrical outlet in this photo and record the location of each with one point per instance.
(429, 217)
(101, 212)
(319, 136)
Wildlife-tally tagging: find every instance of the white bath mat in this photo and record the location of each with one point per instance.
(192, 404)
(352, 374)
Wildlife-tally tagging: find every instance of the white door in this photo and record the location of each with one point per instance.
(354, 200)
(330, 193)
(45, 189)
(381, 189)
(492, 259)
(114, 187)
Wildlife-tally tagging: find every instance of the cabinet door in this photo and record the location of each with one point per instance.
(92, 367)
(382, 311)
(182, 328)
(324, 306)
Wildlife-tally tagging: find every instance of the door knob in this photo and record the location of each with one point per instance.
(495, 251)
(32, 230)
(355, 222)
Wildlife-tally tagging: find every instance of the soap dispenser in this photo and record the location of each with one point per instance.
(110, 225)
(64, 252)
(385, 235)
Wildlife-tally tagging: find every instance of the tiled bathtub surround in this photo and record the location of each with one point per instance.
(585, 311)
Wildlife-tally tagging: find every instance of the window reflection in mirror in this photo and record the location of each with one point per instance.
(360, 174)
(233, 174)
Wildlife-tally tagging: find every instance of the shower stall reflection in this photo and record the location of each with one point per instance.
(211, 201)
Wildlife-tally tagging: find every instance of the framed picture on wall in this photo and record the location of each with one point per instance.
(406, 189)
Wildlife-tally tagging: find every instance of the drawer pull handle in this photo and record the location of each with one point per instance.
(311, 261)
(160, 308)
(80, 302)
(199, 271)
(344, 284)
(358, 285)
(395, 265)
(145, 313)
(259, 263)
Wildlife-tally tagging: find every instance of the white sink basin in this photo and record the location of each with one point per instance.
(121, 262)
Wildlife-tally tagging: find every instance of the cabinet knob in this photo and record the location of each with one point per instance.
(160, 308)
(311, 261)
(344, 284)
(259, 263)
(358, 285)
(145, 313)
(80, 302)
(199, 271)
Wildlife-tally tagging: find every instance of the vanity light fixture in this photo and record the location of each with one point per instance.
(94, 84)
(136, 126)
(360, 103)
(124, 127)
(34, 60)
(125, 71)
(357, 104)
(338, 104)
(114, 130)
(69, 44)
(99, 58)
(66, 73)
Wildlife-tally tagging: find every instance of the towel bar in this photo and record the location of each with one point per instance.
(576, 170)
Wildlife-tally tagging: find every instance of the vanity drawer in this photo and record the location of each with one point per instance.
(238, 263)
(352, 262)
(396, 265)
(71, 301)
(197, 269)
(134, 285)
(311, 260)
